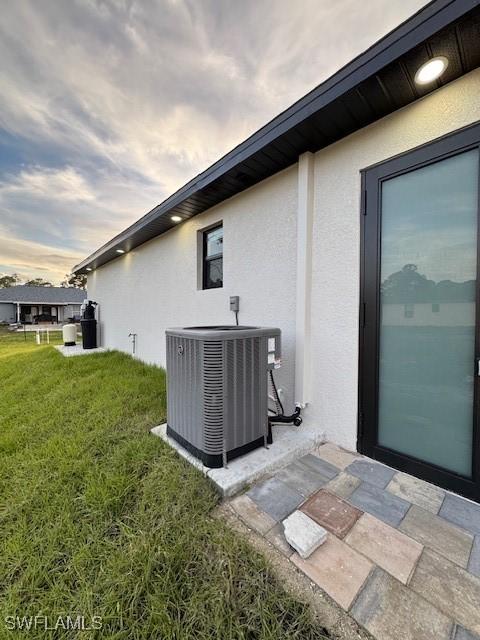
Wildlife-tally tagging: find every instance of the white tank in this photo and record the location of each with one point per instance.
(69, 335)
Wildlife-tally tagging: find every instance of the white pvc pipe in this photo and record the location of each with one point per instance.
(306, 182)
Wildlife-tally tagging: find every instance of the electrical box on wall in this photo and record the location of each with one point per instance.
(234, 303)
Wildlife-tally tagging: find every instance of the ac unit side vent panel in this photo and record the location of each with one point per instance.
(213, 396)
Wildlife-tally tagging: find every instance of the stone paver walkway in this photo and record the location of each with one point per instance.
(402, 556)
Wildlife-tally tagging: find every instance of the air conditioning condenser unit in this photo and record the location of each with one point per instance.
(217, 389)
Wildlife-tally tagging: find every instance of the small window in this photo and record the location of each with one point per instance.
(408, 310)
(213, 258)
(435, 307)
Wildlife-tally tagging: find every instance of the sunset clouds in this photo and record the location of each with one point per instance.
(107, 107)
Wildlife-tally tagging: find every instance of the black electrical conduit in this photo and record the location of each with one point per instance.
(279, 417)
(294, 418)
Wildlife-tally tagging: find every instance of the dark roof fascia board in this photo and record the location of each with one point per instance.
(425, 23)
(375, 58)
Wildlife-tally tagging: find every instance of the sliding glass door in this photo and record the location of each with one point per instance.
(419, 366)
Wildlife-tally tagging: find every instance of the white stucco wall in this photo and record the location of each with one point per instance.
(336, 242)
(155, 286)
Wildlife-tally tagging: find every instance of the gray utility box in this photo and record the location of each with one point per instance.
(217, 394)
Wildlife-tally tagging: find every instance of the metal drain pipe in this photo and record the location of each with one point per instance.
(133, 336)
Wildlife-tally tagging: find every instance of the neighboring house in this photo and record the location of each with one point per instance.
(310, 221)
(32, 305)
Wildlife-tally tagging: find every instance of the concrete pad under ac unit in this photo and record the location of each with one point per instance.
(289, 443)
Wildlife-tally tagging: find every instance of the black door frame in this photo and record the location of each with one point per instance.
(372, 177)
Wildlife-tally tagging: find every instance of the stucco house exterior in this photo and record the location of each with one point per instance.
(332, 222)
(33, 305)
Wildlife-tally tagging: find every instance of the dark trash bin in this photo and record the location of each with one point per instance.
(89, 326)
(89, 333)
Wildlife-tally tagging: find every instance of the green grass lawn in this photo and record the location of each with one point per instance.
(100, 518)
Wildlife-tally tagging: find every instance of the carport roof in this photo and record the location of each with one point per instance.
(376, 83)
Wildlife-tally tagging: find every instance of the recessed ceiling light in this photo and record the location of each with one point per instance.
(120, 251)
(175, 218)
(431, 70)
(88, 269)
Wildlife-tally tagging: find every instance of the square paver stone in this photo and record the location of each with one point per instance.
(391, 611)
(461, 512)
(438, 534)
(343, 485)
(463, 634)
(320, 466)
(380, 503)
(337, 569)
(372, 472)
(275, 498)
(449, 587)
(301, 478)
(337, 456)
(386, 546)
(331, 512)
(416, 491)
(474, 561)
(277, 538)
(249, 512)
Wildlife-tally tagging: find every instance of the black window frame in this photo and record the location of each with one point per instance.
(449, 145)
(206, 258)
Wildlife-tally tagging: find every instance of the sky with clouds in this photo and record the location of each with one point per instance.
(107, 107)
